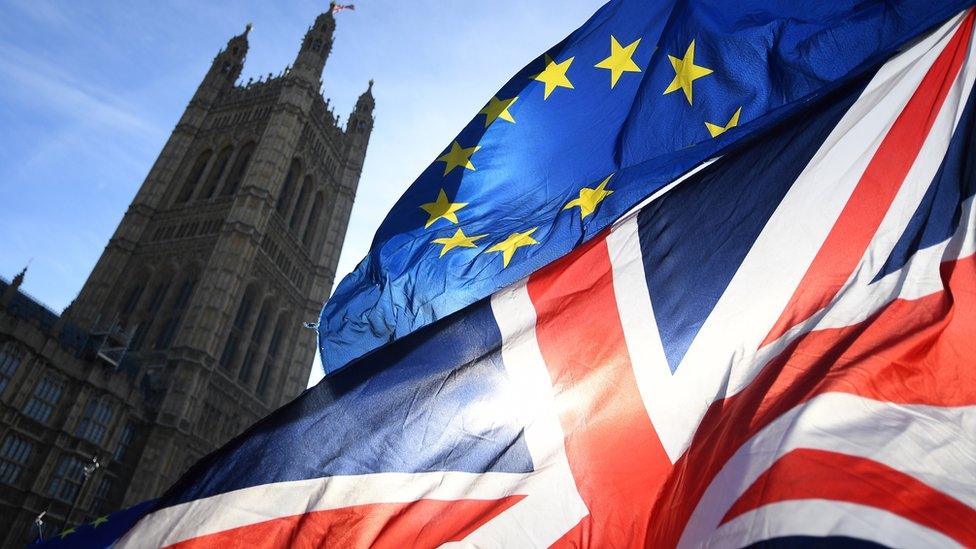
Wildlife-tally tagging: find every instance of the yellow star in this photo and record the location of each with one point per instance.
(67, 532)
(442, 208)
(459, 239)
(498, 108)
(717, 130)
(458, 156)
(589, 199)
(554, 75)
(620, 60)
(99, 521)
(686, 72)
(515, 241)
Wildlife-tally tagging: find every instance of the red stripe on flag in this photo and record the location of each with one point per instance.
(423, 523)
(910, 352)
(817, 474)
(615, 455)
(874, 193)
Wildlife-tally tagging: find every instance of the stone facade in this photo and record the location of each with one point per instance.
(189, 328)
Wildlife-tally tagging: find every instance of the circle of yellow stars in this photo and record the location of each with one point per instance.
(555, 75)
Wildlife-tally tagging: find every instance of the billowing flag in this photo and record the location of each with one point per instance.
(776, 349)
(643, 92)
(102, 531)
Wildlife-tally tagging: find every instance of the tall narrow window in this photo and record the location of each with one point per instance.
(193, 178)
(45, 398)
(94, 423)
(131, 300)
(10, 357)
(229, 355)
(288, 187)
(220, 165)
(301, 204)
(138, 336)
(100, 502)
(125, 442)
(158, 294)
(14, 454)
(68, 478)
(271, 358)
(311, 226)
(238, 171)
(254, 345)
(175, 315)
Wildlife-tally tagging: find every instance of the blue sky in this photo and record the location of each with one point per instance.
(91, 90)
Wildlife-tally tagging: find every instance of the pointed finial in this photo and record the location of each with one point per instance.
(19, 279)
(247, 28)
(370, 88)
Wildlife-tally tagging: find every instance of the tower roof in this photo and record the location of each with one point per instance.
(366, 101)
(238, 44)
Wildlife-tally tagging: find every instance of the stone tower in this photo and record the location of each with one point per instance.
(189, 328)
(231, 242)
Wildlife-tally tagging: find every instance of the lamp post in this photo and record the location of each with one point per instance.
(89, 469)
(39, 522)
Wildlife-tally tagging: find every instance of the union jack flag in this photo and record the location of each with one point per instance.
(775, 348)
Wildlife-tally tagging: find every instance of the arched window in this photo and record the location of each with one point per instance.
(238, 171)
(258, 335)
(314, 215)
(194, 176)
(175, 314)
(229, 356)
(284, 197)
(270, 359)
(220, 165)
(142, 318)
(301, 204)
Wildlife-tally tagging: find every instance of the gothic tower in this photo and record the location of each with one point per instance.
(229, 245)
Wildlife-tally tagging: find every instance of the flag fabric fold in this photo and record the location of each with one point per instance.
(775, 350)
(639, 95)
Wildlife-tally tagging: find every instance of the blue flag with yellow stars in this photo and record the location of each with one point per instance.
(643, 92)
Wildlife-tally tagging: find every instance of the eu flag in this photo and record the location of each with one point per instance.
(629, 102)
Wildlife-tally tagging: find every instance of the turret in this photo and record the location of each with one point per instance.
(227, 65)
(360, 123)
(315, 48)
(358, 128)
(13, 287)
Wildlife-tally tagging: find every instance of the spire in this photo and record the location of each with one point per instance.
(360, 123)
(226, 66)
(315, 47)
(19, 279)
(366, 102)
(237, 45)
(11, 290)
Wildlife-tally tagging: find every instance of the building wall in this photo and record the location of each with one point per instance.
(189, 328)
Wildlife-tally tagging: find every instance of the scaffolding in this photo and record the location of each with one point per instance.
(110, 342)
